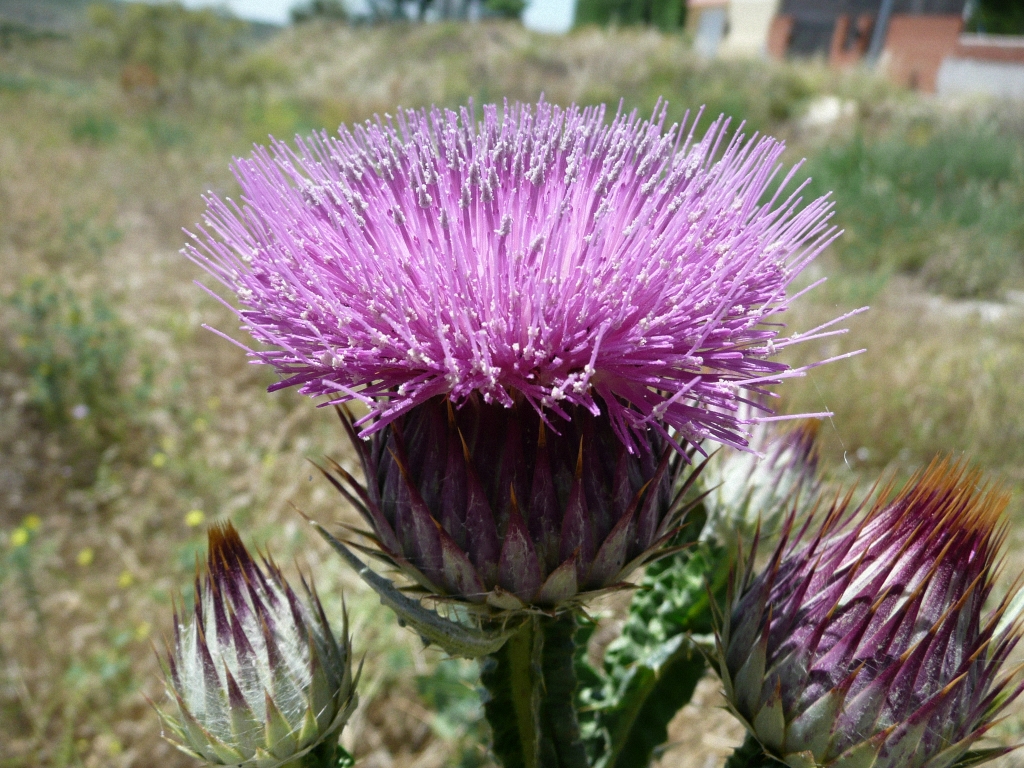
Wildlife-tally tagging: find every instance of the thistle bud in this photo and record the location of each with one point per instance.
(256, 676)
(753, 490)
(866, 644)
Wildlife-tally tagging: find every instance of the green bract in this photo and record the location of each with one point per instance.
(489, 506)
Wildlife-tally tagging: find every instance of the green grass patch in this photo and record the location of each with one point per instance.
(94, 129)
(941, 202)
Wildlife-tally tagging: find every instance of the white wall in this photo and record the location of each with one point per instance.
(554, 16)
(964, 77)
(749, 21)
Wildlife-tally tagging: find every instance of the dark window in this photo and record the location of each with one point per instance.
(852, 39)
(810, 38)
(858, 34)
(943, 7)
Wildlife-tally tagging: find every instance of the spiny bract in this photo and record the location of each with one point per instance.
(866, 644)
(488, 505)
(542, 254)
(257, 677)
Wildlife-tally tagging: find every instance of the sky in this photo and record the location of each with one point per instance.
(540, 15)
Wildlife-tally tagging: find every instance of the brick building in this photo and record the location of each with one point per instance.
(920, 44)
(912, 37)
(988, 64)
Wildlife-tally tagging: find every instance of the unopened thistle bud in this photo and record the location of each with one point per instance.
(256, 675)
(753, 491)
(865, 643)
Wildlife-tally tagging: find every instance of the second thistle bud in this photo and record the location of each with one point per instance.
(866, 643)
(752, 492)
(256, 675)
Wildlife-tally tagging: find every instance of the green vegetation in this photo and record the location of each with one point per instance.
(506, 9)
(449, 692)
(73, 355)
(666, 15)
(938, 200)
(101, 517)
(996, 17)
(164, 51)
(319, 10)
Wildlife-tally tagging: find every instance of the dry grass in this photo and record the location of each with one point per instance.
(84, 597)
(95, 535)
(938, 376)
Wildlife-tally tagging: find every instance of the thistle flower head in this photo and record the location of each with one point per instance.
(866, 643)
(541, 255)
(256, 676)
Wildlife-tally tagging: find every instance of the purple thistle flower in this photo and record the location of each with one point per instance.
(865, 644)
(543, 254)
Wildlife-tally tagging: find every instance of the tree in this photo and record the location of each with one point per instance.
(177, 46)
(323, 10)
(997, 17)
(422, 10)
(508, 9)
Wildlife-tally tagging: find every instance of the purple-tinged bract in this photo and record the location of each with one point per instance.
(542, 253)
(487, 505)
(866, 643)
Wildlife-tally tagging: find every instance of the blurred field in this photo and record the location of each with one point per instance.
(125, 427)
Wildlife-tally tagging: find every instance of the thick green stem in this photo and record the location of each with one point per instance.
(751, 755)
(558, 704)
(532, 685)
(512, 679)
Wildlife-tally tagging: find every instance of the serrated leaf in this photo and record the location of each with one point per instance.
(456, 639)
(651, 670)
(653, 691)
